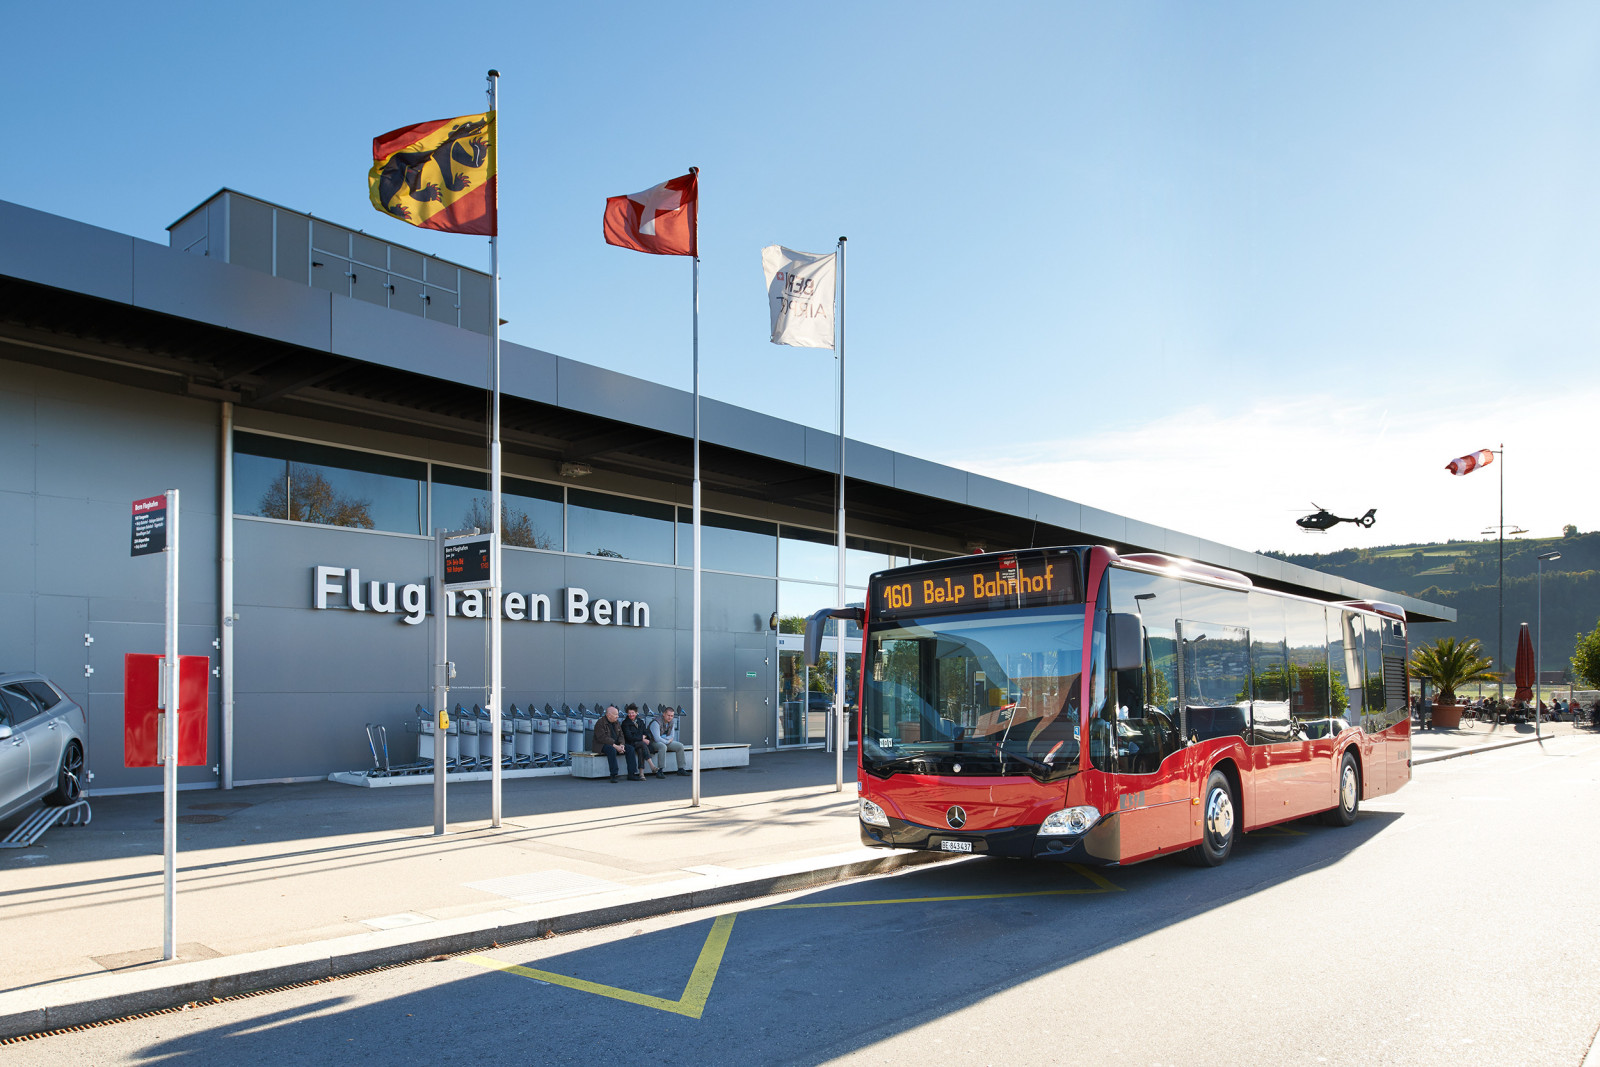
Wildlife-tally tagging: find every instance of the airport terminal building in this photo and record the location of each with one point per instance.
(319, 398)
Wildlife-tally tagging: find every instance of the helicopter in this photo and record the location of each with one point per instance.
(1322, 519)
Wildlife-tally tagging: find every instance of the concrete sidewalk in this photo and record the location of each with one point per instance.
(287, 883)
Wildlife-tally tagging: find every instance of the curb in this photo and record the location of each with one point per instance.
(112, 996)
(1478, 748)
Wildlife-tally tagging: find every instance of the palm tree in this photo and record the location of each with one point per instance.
(1450, 664)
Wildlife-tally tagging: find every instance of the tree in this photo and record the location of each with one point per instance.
(517, 530)
(1450, 664)
(1569, 530)
(305, 495)
(1586, 658)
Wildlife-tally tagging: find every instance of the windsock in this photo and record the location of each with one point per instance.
(1470, 462)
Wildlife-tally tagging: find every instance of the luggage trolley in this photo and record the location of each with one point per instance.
(541, 736)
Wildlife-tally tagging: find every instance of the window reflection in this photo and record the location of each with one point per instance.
(277, 478)
(617, 527)
(729, 543)
(532, 510)
(807, 554)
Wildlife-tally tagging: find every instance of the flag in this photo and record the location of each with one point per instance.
(799, 296)
(660, 220)
(438, 175)
(1470, 462)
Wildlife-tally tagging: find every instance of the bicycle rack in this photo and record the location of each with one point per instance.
(33, 827)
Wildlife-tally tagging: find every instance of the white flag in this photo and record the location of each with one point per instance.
(800, 296)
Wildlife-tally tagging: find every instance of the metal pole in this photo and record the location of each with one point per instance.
(1538, 657)
(169, 772)
(441, 680)
(494, 488)
(225, 637)
(694, 798)
(1500, 617)
(843, 626)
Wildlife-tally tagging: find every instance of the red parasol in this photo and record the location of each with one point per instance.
(1524, 674)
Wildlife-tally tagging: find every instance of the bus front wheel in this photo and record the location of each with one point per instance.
(1349, 794)
(1219, 823)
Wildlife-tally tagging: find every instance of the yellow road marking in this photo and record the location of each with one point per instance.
(1102, 885)
(695, 993)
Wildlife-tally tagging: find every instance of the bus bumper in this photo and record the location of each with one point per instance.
(1101, 846)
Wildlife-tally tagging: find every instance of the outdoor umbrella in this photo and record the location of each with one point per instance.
(1524, 665)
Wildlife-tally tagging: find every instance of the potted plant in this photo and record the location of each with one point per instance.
(1450, 664)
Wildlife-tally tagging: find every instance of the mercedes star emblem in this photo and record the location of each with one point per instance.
(956, 817)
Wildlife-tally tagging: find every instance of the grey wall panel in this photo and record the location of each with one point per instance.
(751, 431)
(617, 396)
(930, 479)
(65, 254)
(822, 451)
(1103, 525)
(249, 233)
(996, 495)
(294, 249)
(528, 372)
(869, 463)
(292, 652)
(535, 661)
(321, 731)
(275, 562)
(613, 580)
(18, 432)
(16, 632)
(606, 665)
(1182, 544)
(377, 335)
(21, 573)
(753, 670)
(730, 603)
(207, 290)
(1066, 514)
(60, 623)
(1146, 536)
(717, 659)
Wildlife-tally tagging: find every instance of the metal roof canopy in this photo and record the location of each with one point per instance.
(89, 301)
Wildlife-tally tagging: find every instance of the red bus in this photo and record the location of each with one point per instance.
(1081, 705)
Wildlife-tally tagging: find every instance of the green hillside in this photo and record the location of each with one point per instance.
(1462, 575)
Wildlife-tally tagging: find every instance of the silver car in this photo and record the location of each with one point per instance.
(41, 743)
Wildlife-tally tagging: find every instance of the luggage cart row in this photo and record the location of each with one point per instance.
(530, 738)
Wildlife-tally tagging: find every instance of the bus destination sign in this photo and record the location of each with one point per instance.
(990, 584)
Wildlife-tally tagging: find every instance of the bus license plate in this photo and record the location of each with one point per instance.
(955, 846)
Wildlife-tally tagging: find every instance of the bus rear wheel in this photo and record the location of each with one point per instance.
(1349, 793)
(1219, 823)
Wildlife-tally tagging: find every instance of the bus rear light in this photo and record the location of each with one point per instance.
(1069, 821)
(873, 815)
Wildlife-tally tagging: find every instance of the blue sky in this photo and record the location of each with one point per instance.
(1198, 264)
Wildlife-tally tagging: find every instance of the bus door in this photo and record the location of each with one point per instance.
(1152, 768)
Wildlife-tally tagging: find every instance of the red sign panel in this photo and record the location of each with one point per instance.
(141, 685)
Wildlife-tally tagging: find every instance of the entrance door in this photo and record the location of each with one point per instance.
(805, 694)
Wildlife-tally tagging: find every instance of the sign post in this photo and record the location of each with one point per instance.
(155, 529)
(462, 562)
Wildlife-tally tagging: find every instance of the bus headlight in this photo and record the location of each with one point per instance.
(1069, 821)
(873, 815)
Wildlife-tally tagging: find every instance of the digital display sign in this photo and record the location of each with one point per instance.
(466, 563)
(985, 583)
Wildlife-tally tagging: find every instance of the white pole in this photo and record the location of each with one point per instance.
(494, 490)
(169, 772)
(694, 797)
(843, 627)
(1538, 659)
(225, 637)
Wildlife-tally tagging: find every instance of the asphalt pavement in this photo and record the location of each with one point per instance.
(287, 883)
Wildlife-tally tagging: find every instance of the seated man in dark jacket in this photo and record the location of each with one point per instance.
(639, 741)
(610, 743)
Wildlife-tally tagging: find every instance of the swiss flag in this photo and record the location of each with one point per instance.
(660, 220)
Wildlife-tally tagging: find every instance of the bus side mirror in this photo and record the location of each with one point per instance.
(818, 622)
(1125, 638)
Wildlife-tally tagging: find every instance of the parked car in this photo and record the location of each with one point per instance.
(42, 736)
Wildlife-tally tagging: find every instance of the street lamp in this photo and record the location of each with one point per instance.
(1538, 643)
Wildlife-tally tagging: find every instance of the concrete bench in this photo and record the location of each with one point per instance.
(712, 757)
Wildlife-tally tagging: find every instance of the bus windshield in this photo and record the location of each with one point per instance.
(995, 693)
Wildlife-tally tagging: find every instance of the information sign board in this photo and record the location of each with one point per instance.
(149, 526)
(466, 562)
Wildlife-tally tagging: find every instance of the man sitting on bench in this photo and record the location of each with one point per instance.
(664, 739)
(638, 739)
(609, 742)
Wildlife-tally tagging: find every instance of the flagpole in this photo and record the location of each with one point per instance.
(695, 720)
(838, 684)
(494, 484)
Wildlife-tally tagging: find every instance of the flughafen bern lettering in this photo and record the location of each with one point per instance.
(387, 598)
